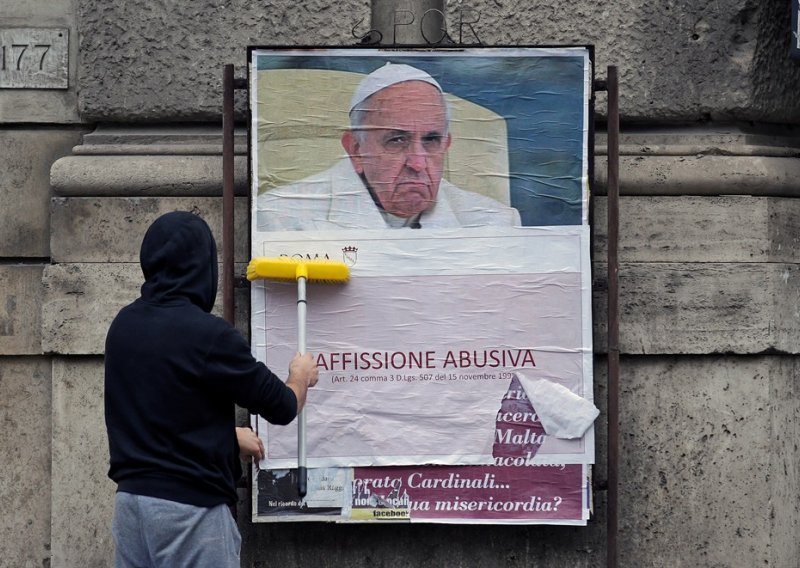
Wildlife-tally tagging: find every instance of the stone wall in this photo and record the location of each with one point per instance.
(708, 335)
(710, 408)
(678, 62)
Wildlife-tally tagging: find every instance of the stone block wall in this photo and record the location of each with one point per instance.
(681, 62)
(710, 402)
(708, 336)
(706, 467)
(25, 492)
(37, 127)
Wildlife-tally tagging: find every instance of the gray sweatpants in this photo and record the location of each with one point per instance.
(156, 533)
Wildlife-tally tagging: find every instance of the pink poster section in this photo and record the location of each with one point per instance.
(545, 493)
(512, 490)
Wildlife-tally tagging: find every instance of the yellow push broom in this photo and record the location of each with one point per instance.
(290, 269)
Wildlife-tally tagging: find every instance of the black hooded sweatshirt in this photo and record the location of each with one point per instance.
(173, 372)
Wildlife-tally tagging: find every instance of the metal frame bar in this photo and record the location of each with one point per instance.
(611, 86)
(227, 194)
(229, 85)
(612, 519)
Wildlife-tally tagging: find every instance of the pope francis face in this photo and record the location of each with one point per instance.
(399, 149)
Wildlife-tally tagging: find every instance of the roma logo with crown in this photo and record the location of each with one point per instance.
(349, 255)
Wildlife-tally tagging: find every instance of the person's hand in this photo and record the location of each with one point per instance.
(303, 374)
(304, 368)
(250, 445)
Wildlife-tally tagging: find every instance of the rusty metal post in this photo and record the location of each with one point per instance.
(612, 519)
(227, 194)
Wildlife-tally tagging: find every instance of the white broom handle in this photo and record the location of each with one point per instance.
(301, 418)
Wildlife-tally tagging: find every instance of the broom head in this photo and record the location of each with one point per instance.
(290, 269)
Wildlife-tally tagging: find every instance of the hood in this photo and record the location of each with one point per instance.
(179, 260)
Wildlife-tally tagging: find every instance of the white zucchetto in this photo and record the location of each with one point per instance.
(386, 76)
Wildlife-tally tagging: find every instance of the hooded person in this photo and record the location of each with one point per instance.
(173, 375)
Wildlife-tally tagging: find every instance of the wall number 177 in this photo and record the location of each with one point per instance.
(20, 56)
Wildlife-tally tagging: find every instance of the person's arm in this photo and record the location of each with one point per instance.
(231, 370)
(303, 374)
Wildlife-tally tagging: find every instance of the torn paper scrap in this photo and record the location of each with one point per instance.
(563, 413)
